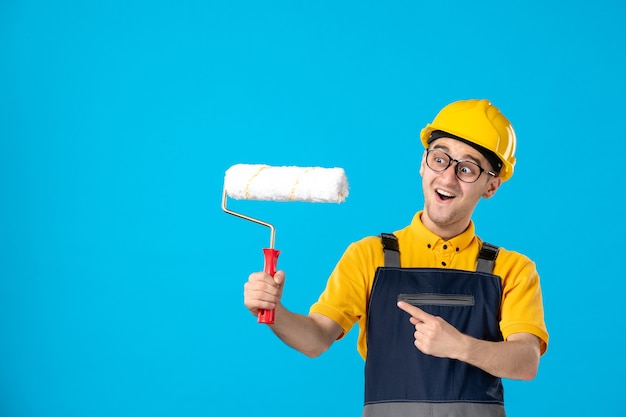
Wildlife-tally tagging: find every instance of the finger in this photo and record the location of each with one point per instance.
(254, 305)
(261, 290)
(415, 312)
(265, 297)
(261, 277)
(263, 282)
(414, 321)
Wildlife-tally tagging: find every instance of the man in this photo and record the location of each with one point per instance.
(443, 316)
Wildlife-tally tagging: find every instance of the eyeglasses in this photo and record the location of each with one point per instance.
(466, 171)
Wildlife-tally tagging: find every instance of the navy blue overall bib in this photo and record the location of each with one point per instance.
(401, 381)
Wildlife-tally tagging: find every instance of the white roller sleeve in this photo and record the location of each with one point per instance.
(286, 183)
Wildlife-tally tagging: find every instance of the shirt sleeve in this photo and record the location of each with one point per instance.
(522, 301)
(344, 299)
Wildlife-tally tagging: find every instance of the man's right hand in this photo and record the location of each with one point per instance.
(261, 291)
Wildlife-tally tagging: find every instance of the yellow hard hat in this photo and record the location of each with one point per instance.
(478, 122)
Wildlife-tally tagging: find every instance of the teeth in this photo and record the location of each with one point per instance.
(445, 193)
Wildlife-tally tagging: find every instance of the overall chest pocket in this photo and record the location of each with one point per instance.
(444, 300)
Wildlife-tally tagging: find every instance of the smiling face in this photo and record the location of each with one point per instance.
(448, 201)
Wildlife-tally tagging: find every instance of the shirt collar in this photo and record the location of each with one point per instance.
(428, 239)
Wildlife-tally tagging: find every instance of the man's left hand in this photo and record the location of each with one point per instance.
(433, 335)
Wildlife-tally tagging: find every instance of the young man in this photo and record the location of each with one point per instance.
(443, 316)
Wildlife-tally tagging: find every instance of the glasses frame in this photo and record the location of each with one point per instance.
(456, 167)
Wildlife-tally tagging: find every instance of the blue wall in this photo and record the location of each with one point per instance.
(121, 279)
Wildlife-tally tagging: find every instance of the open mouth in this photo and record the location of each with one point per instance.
(444, 195)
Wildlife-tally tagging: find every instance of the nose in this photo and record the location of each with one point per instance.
(450, 173)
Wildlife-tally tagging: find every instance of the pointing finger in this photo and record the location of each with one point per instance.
(415, 312)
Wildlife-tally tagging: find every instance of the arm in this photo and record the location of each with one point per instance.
(515, 358)
(311, 335)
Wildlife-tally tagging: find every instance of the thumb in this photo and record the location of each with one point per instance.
(279, 278)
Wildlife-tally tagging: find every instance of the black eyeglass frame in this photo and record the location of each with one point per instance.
(456, 167)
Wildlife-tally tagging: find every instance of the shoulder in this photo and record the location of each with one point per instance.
(365, 252)
(366, 245)
(513, 259)
(515, 267)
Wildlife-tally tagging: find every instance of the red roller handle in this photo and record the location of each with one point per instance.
(271, 261)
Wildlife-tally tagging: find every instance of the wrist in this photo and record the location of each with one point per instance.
(467, 346)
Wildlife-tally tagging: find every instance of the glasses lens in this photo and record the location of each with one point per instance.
(437, 160)
(467, 171)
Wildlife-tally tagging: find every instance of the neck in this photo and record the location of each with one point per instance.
(445, 231)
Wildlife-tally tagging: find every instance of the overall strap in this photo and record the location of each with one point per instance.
(391, 250)
(486, 258)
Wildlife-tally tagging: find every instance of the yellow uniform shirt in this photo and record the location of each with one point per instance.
(346, 297)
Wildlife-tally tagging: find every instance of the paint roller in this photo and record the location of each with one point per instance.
(281, 183)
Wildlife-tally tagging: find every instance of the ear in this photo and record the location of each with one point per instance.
(423, 164)
(492, 187)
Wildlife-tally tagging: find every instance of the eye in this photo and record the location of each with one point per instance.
(439, 160)
(468, 170)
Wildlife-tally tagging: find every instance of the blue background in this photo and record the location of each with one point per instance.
(121, 279)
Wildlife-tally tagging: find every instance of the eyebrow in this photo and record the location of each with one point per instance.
(465, 157)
